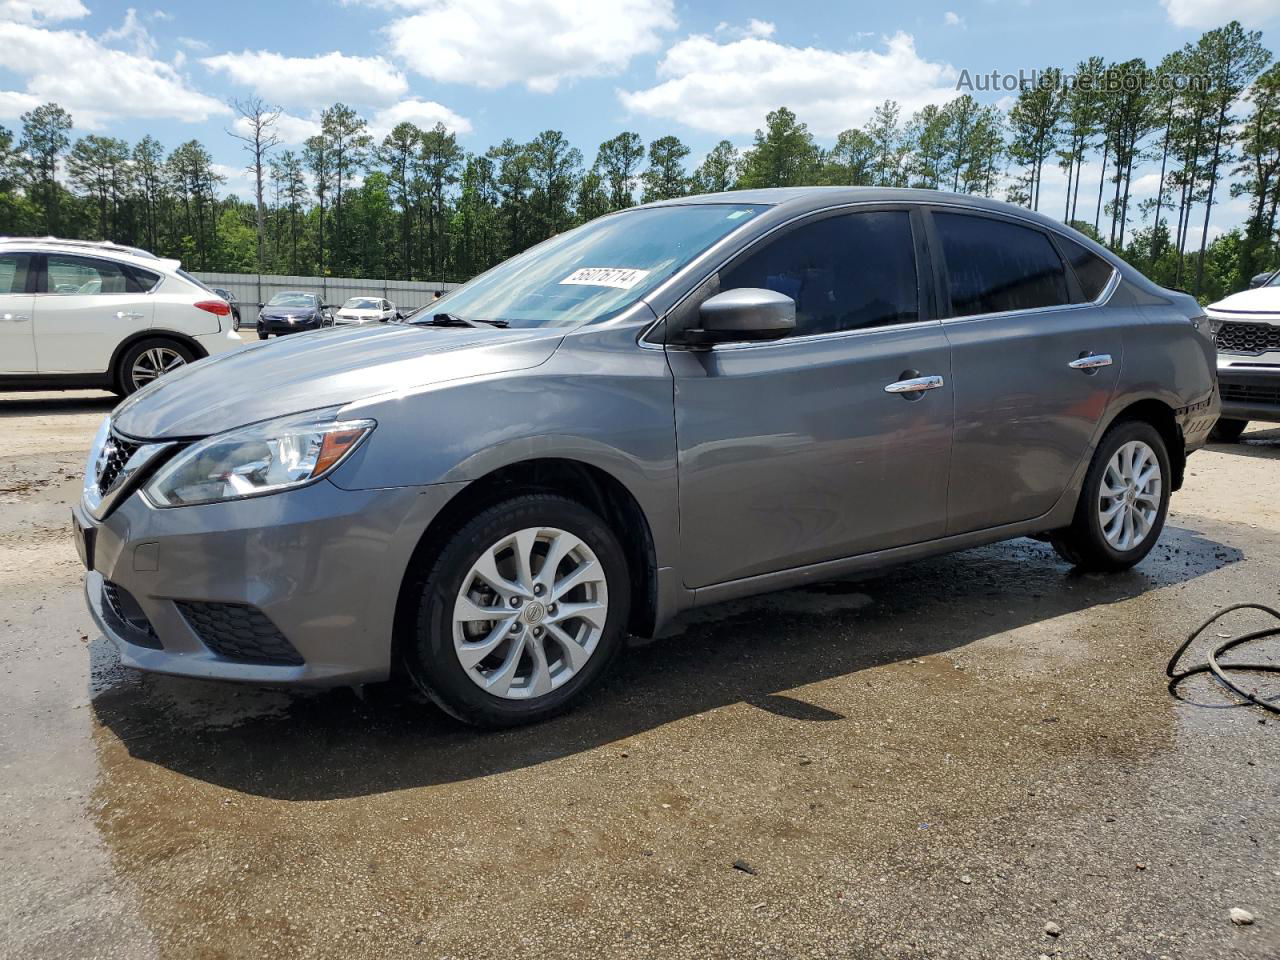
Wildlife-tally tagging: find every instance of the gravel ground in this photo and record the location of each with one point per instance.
(959, 758)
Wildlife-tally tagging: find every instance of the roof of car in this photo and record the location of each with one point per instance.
(804, 199)
(92, 247)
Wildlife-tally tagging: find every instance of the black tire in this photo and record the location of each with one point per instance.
(429, 655)
(1227, 431)
(1083, 544)
(263, 336)
(124, 377)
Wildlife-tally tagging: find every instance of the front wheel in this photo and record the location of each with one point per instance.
(1227, 431)
(523, 609)
(1123, 503)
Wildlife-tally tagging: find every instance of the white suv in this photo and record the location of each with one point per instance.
(79, 314)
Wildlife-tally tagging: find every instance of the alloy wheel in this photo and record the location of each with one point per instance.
(530, 613)
(154, 362)
(1129, 498)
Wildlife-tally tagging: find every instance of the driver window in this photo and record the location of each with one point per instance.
(846, 272)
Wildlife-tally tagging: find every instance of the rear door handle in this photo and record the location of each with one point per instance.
(915, 385)
(1091, 361)
(15, 317)
(126, 315)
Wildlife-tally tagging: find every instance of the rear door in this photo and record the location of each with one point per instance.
(793, 452)
(84, 308)
(17, 307)
(1035, 363)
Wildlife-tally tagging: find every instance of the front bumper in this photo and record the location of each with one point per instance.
(322, 564)
(281, 325)
(1250, 386)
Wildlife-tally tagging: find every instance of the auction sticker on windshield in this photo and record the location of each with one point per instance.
(622, 277)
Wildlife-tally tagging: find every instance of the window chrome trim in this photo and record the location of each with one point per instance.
(1103, 298)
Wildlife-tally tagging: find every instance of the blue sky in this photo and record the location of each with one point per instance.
(496, 68)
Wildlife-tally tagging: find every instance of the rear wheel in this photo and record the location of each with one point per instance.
(1228, 431)
(1123, 503)
(149, 360)
(523, 609)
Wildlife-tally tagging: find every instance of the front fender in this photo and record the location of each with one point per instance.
(601, 399)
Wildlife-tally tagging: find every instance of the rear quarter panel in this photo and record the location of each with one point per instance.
(1167, 359)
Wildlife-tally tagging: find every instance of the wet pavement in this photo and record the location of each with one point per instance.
(935, 761)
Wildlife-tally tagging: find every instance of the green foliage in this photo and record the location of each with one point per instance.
(417, 205)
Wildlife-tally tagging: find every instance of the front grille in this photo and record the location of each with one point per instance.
(114, 456)
(1248, 337)
(1251, 393)
(122, 605)
(237, 631)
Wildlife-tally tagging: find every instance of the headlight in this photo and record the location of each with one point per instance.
(265, 458)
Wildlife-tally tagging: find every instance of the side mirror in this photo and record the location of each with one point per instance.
(1259, 280)
(326, 306)
(261, 305)
(745, 314)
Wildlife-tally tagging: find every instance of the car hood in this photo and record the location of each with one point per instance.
(1261, 300)
(322, 369)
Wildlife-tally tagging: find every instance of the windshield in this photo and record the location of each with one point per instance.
(1274, 281)
(362, 303)
(292, 300)
(595, 271)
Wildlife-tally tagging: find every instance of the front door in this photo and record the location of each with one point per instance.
(1035, 363)
(793, 452)
(17, 308)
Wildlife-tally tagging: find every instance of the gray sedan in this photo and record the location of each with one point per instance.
(670, 406)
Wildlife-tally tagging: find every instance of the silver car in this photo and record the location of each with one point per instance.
(670, 406)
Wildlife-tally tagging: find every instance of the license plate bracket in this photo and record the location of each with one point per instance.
(84, 538)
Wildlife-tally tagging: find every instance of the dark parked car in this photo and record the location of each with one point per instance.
(292, 313)
(233, 303)
(669, 406)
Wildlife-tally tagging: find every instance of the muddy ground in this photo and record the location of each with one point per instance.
(936, 761)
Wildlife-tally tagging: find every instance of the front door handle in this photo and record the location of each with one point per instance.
(915, 385)
(126, 315)
(15, 317)
(1090, 362)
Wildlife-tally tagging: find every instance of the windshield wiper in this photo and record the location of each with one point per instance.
(453, 320)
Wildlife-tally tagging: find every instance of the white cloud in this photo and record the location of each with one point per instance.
(540, 43)
(313, 81)
(423, 113)
(1204, 14)
(754, 28)
(94, 82)
(191, 43)
(727, 88)
(41, 11)
(952, 19)
(132, 32)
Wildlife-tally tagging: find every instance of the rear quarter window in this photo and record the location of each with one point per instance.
(1092, 271)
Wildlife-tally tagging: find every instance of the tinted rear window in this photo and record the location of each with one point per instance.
(994, 266)
(1092, 271)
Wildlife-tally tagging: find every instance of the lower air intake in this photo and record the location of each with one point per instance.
(239, 632)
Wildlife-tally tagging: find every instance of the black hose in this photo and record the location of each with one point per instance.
(1219, 669)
